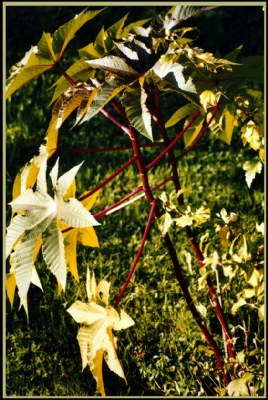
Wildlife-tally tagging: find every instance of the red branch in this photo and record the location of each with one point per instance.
(109, 179)
(174, 141)
(133, 267)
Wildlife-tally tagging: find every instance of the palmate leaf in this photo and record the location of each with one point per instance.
(39, 225)
(95, 338)
(47, 53)
(134, 102)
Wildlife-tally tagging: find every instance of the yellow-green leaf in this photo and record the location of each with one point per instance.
(62, 36)
(90, 200)
(193, 131)
(11, 287)
(88, 237)
(261, 312)
(238, 387)
(229, 124)
(71, 252)
(181, 113)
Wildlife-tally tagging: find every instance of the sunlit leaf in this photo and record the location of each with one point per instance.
(165, 222)
(238, 387)
(70, 241)
(32, 65)
(88, 237)
(172, 73)
(241, 302)
(38, 225)
(114, 64)
(251, 135)
(194, 130)
(95, 338)
(53, 252)
(252, 168)
(134, 102)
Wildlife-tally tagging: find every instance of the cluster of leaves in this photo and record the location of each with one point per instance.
(184, 216)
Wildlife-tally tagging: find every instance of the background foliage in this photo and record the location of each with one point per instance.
(163, 353)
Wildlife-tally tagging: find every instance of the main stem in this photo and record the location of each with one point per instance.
(173, 255)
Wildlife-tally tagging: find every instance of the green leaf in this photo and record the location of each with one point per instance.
(180, 114)
(114, 64)
(131, 27)
(47, 53)
(251, 69)
(66, 32)
(228, 128)
(241, 302)
(134, 102)
(115, 31)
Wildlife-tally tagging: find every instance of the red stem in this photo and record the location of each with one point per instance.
(117, 123)
(174, 141)
(133, 267)
(111, 177)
